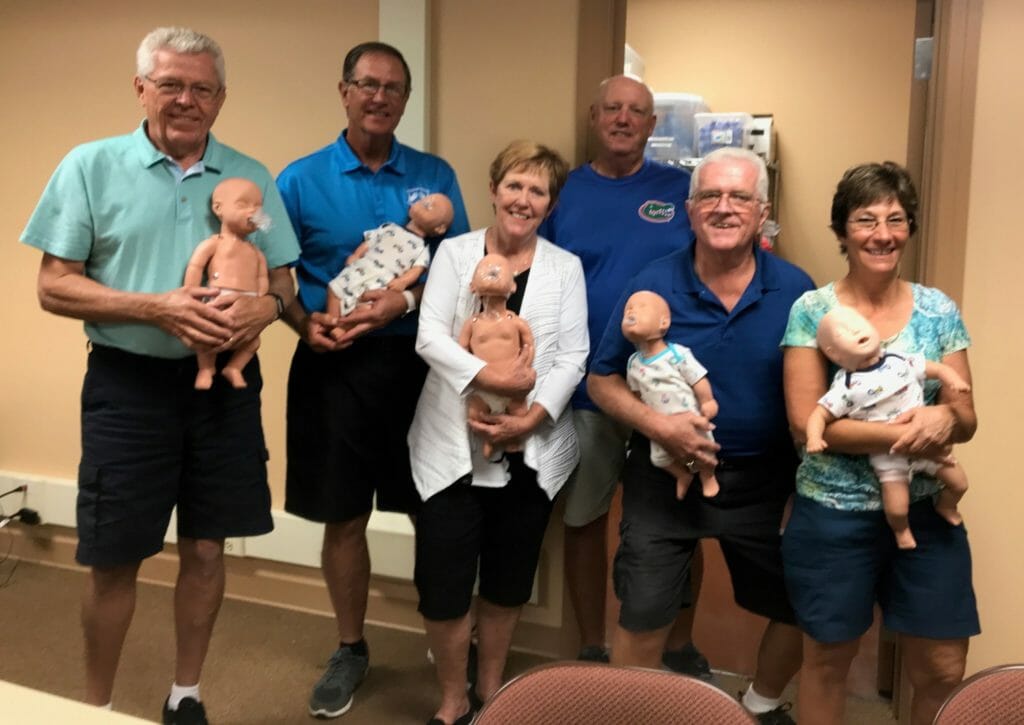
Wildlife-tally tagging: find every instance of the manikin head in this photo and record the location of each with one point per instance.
(238, 203)
(493, 277)
(646, 317)
(430, 216)
(848, 340)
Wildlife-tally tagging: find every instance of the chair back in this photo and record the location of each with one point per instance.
(991, 697)
(584, 693)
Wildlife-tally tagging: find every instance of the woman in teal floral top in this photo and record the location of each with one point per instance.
(839, 554)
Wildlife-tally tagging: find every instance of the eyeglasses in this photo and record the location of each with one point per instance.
(369, 87)
(172, 88)
(867, 223)
(708, 200)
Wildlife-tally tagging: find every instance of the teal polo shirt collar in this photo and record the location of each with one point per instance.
(149, 155)
(349, 162)
(766, 279)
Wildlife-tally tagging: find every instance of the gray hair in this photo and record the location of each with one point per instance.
(736, 154)
(180, 40)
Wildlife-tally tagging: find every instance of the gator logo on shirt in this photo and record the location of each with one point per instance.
(414, 194)
(656, 211)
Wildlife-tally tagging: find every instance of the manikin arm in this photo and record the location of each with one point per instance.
(816, 422)
(333, 304)
(466, 335)
(263, 284)
(705, 398)
(359, 253)
(406, 279)
(949, 377)
(198, 261)
(525, 339)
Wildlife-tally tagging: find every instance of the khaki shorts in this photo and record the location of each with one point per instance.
(590, 488)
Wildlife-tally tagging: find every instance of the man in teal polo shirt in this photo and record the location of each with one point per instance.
(117, 225)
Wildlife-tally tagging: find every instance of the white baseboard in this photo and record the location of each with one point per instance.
(293, 540)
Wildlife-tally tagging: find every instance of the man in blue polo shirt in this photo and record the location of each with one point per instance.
(117, 225)
(351, 398)
(730, 302)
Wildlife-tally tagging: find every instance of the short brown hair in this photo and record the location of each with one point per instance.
(869, 184)
(531, 156)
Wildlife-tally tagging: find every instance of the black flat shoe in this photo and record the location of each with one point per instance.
(475, 703)
(464, 720)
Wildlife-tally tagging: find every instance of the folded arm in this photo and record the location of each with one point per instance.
(925, 432)
(64, 289)
(683, 435)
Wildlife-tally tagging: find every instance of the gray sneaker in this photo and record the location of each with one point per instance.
(688, 661)
(332, 694)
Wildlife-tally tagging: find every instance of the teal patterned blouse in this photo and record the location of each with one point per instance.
(935, 329)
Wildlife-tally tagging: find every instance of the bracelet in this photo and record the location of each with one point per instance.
(280, 304)
(410, 302)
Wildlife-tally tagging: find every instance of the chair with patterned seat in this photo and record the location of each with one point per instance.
(991, 697)
(584, 693)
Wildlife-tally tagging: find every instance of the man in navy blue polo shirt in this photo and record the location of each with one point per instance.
(729, 301)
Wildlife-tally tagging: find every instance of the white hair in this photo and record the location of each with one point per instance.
(180, 40)
(732, 152)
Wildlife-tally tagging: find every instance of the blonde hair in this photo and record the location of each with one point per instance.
(531, 156)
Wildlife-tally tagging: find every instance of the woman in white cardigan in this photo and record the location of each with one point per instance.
(493, 513)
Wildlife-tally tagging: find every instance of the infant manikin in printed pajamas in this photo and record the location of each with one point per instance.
(669, 379)
(390, 256)
(876, 386)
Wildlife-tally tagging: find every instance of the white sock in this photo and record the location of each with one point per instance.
(179, 693)
(108, 706)
(757, 703)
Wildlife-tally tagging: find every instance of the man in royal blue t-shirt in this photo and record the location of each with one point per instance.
(617, 213)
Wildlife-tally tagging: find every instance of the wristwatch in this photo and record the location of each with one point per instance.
(280, 304)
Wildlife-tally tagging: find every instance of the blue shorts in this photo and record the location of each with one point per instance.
(151, 442)
(838, 564)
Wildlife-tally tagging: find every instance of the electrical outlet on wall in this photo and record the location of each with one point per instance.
(234, 547)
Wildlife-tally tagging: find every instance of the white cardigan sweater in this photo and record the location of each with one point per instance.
(442, 447)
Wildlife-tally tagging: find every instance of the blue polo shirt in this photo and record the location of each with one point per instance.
(127, 211)
(740, 349)
(332, 198)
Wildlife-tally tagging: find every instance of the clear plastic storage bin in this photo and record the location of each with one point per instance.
(673, 134)
(717, 130)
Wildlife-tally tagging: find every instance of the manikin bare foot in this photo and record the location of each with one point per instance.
(234, 376)
(204, 379)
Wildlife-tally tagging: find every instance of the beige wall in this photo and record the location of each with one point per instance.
(492, 88)
(835, 74)
(67, 79)
(994, 260)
